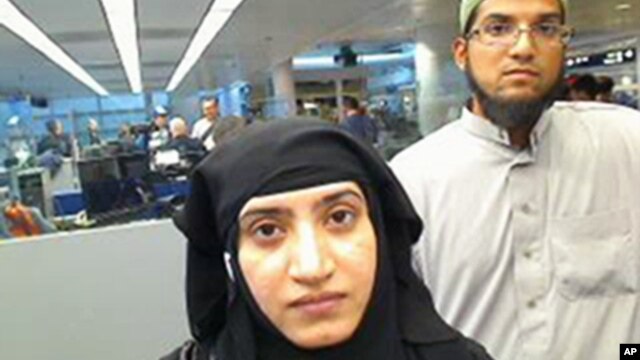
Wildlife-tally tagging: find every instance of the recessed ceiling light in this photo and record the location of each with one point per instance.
(121, 16)
(16, 22)
(216, 18)
(623, 7)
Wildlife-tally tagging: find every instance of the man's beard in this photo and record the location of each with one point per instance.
(511, 114)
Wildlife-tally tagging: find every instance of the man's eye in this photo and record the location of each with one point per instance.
(498, 29)
(548, 30)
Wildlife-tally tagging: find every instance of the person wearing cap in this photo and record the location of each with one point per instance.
(531, 241)
(203, 129)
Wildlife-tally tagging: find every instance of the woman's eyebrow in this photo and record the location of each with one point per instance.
(333, 198)
(266, 212)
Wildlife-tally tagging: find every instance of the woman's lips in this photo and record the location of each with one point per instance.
(318, 305)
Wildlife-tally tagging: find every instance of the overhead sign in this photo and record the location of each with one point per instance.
(609, 58)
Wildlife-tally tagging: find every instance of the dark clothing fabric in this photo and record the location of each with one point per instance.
(60, 145)
(95, 139)
(361, 126)
(186, 146)
(400, 321)
(190, 350)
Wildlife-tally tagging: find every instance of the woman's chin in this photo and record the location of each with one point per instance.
(314, 339)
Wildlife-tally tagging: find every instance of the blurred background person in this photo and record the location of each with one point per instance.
(158, 135)
(204, 129)
(583, 88)
(126, 137)
(605, 89)
(358, 123)
(93, 128)
(180, 139)
(56, 141)
(229, 128)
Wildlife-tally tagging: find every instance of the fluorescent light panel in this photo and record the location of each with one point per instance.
(314, 62)
(24, 28)
(325, 62)
(219, 13)
(383, 58)
(121, 16)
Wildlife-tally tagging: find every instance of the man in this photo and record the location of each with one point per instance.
(158, 136)
(531, 215)
(93, 129)
(605, 89)
(181, 141)
(357, 123)
(229, 128)
(56, 141)
(204, 128)
(584, 88)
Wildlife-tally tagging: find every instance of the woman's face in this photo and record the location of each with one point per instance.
(309, 258)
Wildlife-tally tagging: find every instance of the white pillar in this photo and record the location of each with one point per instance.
(440, 86)
(285, 88)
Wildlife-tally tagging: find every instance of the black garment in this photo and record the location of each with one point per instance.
(400, 322)
(186, 146)
(60, 145)
(94, 138)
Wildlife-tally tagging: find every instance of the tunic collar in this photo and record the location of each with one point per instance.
(487, 130)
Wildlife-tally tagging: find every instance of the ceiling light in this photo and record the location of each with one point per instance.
(623, 7)
(314, 62)
(121, 16)
(215, 19)
(16, 22)
(386, 57)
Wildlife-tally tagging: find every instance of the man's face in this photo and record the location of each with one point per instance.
(210, 110)
(526, 71)
(58, 130)
(161, 121)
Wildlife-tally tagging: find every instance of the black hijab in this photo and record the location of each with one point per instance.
(400, 321)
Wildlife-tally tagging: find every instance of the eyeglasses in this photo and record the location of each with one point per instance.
(503, 34)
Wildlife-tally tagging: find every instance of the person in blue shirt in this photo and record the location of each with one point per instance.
(358, 123)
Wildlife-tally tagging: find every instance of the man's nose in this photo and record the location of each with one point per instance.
(524, 47)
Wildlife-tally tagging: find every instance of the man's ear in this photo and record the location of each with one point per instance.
(460, 52)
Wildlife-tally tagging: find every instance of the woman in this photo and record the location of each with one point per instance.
(299, 248)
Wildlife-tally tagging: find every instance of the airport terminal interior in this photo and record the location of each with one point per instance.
(100, 102)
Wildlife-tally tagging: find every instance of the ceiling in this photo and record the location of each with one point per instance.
(260, 35)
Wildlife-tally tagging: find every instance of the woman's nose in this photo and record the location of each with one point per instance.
(311, 261)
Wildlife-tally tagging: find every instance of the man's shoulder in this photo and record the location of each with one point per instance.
(200, 123)
(597, 114)
(199, 127)
(599, 124)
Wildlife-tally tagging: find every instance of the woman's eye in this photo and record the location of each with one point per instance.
(342, 218)
(267, 232)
